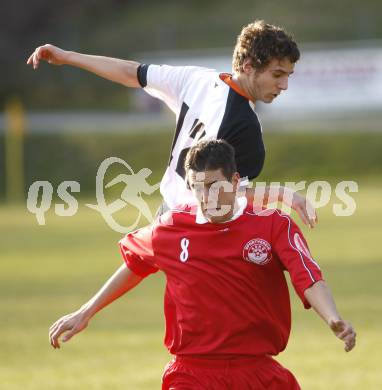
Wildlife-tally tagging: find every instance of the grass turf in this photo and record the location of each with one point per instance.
(47, 271)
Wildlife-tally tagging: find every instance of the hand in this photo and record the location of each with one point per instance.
(72, 323)
(304, 209)
(49, 53)
(344, 331)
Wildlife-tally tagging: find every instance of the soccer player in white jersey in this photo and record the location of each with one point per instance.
(208, 104)
(226, 305)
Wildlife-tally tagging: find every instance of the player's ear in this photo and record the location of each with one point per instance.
(247, 66)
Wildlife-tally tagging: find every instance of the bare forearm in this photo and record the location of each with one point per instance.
(119, 283)
(263, 196)
(122, 281)
(113, 69)
(321, 299)
(279, 193)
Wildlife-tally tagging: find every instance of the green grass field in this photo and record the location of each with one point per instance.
(47, 271)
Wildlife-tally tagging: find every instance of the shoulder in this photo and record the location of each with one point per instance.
(283, 223)
(174, 76)
(280, 217)
(273, 216)
(176, 70)
(239, 118)
(178, 215)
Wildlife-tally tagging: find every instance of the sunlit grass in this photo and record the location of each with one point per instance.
(47, 271)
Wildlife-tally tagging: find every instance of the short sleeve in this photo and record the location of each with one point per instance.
(291, 248)
(137, 252)
(167, 83)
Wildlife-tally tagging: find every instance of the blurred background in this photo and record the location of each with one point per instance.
(59, 123)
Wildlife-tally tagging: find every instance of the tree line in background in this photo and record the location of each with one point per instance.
(125, 28)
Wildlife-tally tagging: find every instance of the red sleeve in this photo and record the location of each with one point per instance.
(291, 248)
(137, 252)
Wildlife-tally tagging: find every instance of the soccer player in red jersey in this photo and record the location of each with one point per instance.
(208, 104)
(227, 305)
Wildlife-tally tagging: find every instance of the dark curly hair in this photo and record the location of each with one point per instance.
(262, 42)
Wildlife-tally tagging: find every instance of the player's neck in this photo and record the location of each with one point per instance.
(228, 79)
(242, 84)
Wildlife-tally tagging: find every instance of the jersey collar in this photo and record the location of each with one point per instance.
(241, 204)
(227, 78)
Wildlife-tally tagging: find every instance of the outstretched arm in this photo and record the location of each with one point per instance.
(321, 299)
(122, 281)
(262, 196)
(120, 71)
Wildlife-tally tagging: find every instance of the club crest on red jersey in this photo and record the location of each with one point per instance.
(257, 251)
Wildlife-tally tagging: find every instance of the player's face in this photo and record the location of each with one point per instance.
(215, 194)
(267, 84)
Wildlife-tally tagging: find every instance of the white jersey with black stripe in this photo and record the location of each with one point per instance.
(205, 107)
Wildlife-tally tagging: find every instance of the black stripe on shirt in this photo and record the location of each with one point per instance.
(241, 128)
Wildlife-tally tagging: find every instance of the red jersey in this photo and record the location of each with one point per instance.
(226, 293)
